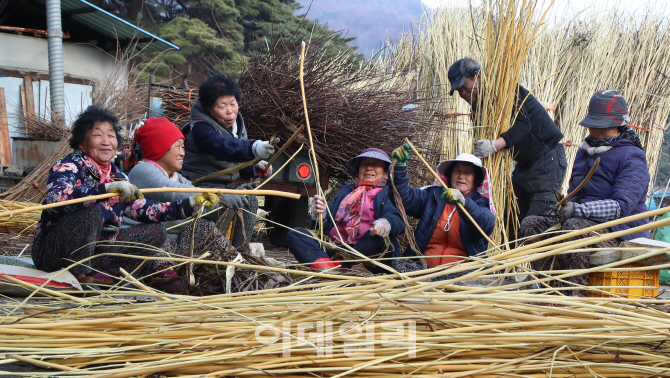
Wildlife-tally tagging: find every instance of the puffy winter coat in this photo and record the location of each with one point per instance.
(217, 152)
(427, 205)
(383, 206)
(622, 176)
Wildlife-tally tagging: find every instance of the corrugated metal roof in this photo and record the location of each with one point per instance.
(114, 27)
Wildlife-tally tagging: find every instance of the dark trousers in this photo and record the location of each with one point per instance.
(534, 185)
(534, 225)
(306, 249)
(74, 238)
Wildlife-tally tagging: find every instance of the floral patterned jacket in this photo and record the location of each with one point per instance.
(74, 177)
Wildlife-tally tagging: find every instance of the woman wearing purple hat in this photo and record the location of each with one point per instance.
(617, 189)
(363, 215)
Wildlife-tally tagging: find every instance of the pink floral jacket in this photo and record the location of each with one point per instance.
(74, 177)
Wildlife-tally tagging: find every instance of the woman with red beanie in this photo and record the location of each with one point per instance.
(86, 237)
(159, 145)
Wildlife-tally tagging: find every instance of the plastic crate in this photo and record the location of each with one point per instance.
(630, 278)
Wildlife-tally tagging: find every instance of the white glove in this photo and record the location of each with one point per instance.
(484, 148)
(262, 149)
(260, 171)
(127, 191)
(381, 227)
(318, 207)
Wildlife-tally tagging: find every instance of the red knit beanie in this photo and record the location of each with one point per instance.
(156, 137)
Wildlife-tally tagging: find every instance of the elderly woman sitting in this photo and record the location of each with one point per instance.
(444, 235)
(70, 234)
(617, 189)
(363, 213)
(160, 146)
(216, 139)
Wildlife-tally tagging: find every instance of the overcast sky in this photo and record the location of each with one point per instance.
(372, 20)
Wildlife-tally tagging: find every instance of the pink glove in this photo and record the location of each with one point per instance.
(259, 168)
(381, 227)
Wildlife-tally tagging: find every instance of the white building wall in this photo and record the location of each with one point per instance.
(30, 54)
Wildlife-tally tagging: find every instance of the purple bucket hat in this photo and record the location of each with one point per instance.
(375, 153)
(607, 108)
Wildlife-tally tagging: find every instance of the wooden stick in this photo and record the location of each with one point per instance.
(43, 289)
(579, 187)
(227, 171)
(156, 190)
(309, 132)
(460, 206)
(5, 148)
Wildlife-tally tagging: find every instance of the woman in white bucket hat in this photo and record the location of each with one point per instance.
(443, 234)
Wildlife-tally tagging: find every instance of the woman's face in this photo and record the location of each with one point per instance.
(371, 169)
(173, 160)
(100, 142)
(225, 110)
(463, 177)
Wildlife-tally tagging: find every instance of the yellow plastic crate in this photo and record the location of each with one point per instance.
(631, 278)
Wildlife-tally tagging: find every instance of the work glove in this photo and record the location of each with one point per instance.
(259, 169)
(263, 149)
(381, 227)
(127, 191)
(235, 201)
(566, 211)
(484, 148)
(205, 200)
(318, 207)
(401, 154)
(452, 196)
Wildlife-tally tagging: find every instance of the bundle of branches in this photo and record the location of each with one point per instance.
(350, 109)
(33, 187)
(386, 326)
(43, 127)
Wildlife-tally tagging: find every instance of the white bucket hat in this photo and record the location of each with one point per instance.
(466, 158)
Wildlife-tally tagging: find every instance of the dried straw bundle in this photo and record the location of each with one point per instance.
(377, 326)
(567, 60)
(21, 223)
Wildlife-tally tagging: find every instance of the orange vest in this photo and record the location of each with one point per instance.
(446, 246)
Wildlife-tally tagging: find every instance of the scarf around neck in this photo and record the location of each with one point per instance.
(105, 173)
(349, 210)
(629, 134)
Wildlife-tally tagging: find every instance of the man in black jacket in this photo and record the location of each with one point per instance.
(533, 138)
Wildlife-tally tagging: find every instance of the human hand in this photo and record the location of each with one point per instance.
(318, 207)
(264, 149)
(381, 227)
(485, 148)
(260, 169)
(401, 154)
(127, 191)
(452, 196)
(205, 200)
(566, 211)
(235, 201)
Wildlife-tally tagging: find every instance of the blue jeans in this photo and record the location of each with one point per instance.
(306, 249)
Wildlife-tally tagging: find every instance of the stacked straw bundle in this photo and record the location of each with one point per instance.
(562, 61)
(20, 223)
(387, 326)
